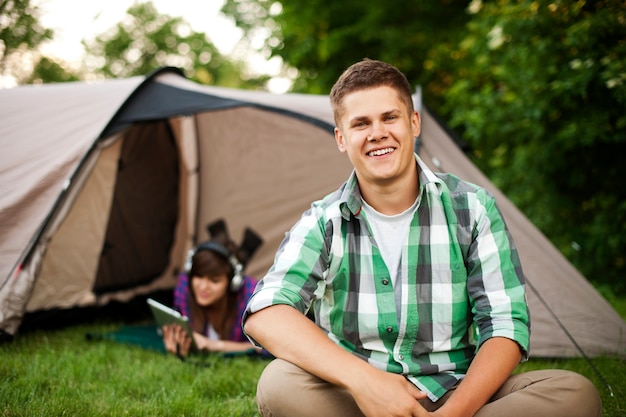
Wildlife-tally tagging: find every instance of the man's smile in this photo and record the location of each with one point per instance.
(379, 152)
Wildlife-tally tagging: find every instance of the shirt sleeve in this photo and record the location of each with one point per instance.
(495, 279)
(298, 268)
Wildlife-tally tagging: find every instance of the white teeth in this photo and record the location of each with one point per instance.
(381, 152)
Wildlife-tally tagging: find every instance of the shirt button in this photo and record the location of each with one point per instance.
(385, 281)
(401, 357)
(389, 329)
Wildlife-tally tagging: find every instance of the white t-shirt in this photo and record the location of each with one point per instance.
(390, 233)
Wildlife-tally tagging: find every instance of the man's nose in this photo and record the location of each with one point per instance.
(378, 132)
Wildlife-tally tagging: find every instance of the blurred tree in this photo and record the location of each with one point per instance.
(540, 93)
(146, 40)
(20, 28)
(20, 35)
(48, 70)
(320, 38)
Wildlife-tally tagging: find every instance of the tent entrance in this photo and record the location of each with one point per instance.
(144, 210)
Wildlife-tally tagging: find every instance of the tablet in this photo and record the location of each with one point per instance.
(165, 315)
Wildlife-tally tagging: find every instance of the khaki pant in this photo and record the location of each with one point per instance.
(286, 390)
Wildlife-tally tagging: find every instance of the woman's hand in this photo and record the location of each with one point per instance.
(204, 343)
(176, 340)
(213, 345)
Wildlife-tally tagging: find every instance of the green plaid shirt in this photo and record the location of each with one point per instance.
(460, 280)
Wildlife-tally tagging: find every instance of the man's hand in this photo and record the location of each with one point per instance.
(379, 393)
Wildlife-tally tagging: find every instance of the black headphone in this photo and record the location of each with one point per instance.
(236, 281)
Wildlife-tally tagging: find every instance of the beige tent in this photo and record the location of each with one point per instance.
(105, 186)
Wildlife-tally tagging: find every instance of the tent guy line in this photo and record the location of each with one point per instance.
(570, 337)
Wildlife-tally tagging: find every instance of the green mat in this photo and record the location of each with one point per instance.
(144, 335)
(147, 336)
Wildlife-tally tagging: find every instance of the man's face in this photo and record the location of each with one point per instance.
(377, 132)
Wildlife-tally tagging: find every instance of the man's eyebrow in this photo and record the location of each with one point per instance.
(359, 119)
(366, 118)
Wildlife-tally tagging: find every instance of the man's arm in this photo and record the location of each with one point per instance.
(493, 364)
(289, 335)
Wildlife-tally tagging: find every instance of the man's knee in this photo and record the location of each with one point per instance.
(571, 393)
(585, 398)
(286, 390)
(269, 387)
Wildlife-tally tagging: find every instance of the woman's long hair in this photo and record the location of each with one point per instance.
(209, 263)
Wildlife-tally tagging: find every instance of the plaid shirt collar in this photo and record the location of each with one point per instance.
(351, 201)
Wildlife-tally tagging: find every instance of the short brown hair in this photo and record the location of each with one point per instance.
(365, 74)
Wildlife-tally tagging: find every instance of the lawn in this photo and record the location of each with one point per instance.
(60, 372)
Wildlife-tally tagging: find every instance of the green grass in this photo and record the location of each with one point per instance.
(61, 373)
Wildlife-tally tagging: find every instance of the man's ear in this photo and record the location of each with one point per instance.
(416, 123)
(339, 138)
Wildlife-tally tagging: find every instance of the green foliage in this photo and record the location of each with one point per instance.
(20, 28)
(61, 373)
(20, 32)
(146, 40)
(617, 302)
(322, 37)
(48, 70)
(540, 94)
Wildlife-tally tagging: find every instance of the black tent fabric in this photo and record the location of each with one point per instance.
(138, 239)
